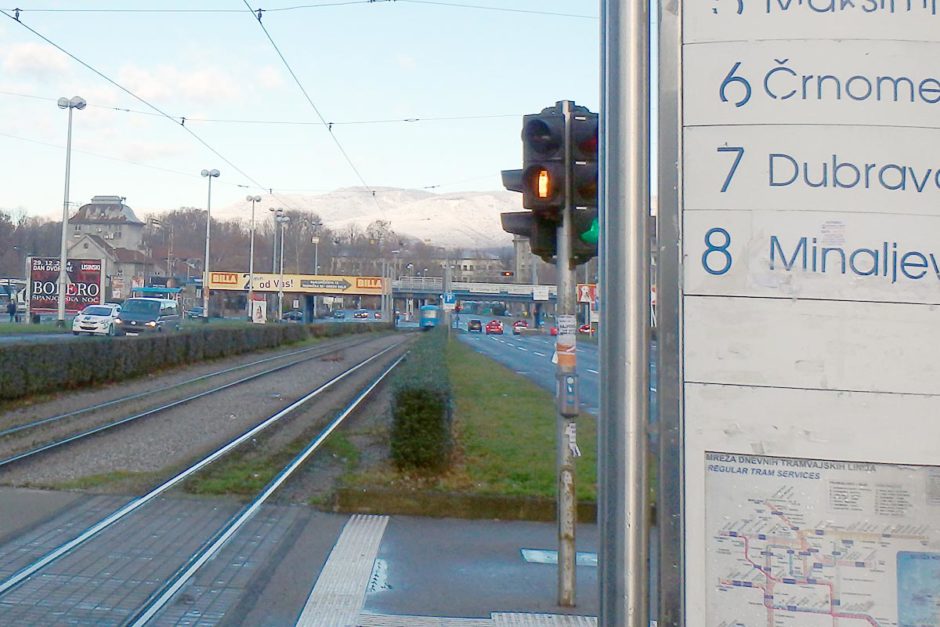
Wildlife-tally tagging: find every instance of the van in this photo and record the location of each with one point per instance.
(149, 315)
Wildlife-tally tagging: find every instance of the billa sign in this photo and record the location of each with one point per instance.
(85, 284)
(298, 283)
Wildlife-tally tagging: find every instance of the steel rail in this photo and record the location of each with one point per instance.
(89, 533)
(164, 594)
(155, 410)
(132, 397)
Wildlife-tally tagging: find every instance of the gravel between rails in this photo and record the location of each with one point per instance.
(160, 383)
(161, 444)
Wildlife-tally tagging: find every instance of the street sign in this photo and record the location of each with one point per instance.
(540, 292)
(799, 266)
(450, 301)
(298, 283)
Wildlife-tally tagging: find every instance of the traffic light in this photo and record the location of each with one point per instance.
(584, 224)
(543, 161)
(539, 226)
(507, 273)
(542, 182)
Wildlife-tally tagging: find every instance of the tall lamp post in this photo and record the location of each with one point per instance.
(282, 220)
(210, 174)
(76, 102)
(315, 240)
(251, 254)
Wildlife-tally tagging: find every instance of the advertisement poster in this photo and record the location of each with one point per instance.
(85, 284)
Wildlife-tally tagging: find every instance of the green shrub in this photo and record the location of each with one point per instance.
(421, 407)
(38, 368)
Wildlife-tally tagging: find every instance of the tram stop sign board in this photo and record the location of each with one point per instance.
(808, 282)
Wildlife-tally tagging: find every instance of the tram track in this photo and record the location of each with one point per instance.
(171, 582)
(308, 354)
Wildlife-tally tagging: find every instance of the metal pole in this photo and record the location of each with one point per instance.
(625, 334)
(316, 265)
(63, 251)
(205, 265)
(251, 262)
(280, 285)
(566, 391)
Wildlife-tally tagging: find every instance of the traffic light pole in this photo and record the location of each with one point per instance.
(566, 390)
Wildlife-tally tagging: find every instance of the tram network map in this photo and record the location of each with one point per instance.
(812, 543)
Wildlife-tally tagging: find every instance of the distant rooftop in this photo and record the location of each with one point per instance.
(105, 210)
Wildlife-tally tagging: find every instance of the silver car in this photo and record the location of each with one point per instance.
(97, 320)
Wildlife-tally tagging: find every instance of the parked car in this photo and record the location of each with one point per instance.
(553, 330)
(97, 320)
(294, 315)
(475, 325)
(339, 314)
(586, 328)
(194, 313)
(148, 315)
(519, 324)
(377, 315)
(495, 327)
(360, 314)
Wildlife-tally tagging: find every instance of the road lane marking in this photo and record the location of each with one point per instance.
(593, 371)
(539, 354)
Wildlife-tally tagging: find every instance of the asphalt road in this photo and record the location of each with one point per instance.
(531, 356)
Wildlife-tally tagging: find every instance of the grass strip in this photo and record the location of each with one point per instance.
(505, 437)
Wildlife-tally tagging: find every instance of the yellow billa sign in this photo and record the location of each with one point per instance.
(298, 283)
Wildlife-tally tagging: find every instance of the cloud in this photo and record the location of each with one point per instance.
(33, 59)
(143, 152)
(406, 62)
(270, 77)
(203, 85)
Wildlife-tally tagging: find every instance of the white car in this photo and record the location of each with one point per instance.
(97, 320)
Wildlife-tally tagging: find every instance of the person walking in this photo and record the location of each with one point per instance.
(11, 309)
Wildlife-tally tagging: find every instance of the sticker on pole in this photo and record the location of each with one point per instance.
(565, 343)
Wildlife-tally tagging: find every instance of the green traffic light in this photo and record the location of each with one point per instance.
(590, 236)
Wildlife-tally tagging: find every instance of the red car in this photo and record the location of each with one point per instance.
(495, 327)
(519, 324)
(586, 328)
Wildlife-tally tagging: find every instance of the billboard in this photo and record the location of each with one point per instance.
(85, 284)
(298, 283)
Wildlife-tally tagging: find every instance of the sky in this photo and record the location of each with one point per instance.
(464, 73)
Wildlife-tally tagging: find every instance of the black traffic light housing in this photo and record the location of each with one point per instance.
(584, 227)
(542, 181)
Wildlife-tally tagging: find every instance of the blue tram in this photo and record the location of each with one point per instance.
(429, 317)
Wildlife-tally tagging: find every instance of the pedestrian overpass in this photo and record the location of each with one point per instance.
(431, 288)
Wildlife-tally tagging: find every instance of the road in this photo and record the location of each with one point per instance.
(531, 356)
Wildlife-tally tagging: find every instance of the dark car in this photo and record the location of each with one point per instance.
(475, 325)
(339, 314)
(148, 315)
(293, 316)
(194, 312)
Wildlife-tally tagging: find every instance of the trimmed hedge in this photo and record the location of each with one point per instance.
(38, 368)
(421, 407)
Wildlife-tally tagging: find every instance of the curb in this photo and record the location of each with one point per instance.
(451, 505)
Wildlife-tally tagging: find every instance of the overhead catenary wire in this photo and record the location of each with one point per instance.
(326, 125)
(191, 119)
(304, 7)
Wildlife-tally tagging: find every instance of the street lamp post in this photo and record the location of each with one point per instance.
(76, 102)
(210, 174)
(251, 255)
(315, 240)
(282, 220)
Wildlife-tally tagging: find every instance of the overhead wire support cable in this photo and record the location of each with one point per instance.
(327, 125)
(180, 123)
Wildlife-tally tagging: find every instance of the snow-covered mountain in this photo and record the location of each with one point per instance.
(460, 219)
